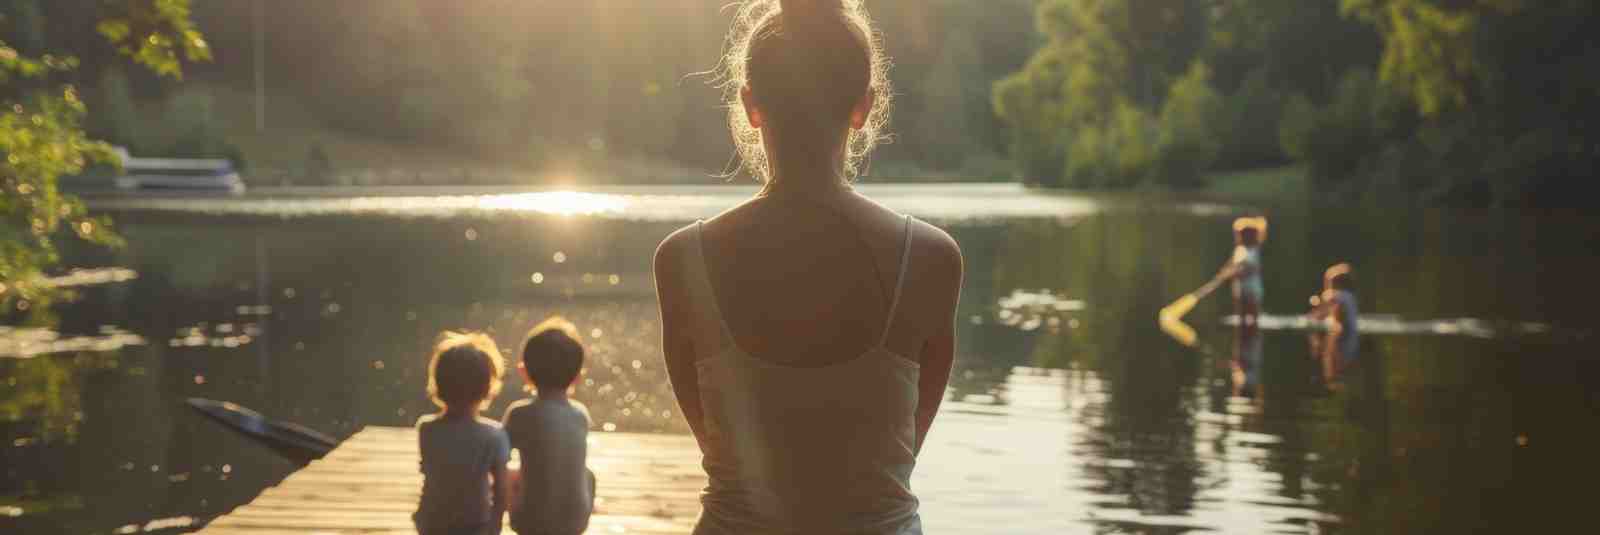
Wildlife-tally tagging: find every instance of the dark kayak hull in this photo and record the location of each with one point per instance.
(294, 442)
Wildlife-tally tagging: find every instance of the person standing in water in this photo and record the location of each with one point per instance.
(1336, 307)
(1244, 269)
(808, 332)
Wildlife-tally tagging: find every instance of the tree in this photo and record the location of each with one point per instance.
(1189, 144)
(1430, 49)
(1091, 94)
(1503, 96)
(42, 136)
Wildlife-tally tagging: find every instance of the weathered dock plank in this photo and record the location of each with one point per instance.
(649, 485)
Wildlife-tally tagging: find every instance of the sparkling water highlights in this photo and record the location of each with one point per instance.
(565, 203)
(1069, 411)
(634, 203)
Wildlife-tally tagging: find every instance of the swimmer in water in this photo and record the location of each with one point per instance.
(1337, 308)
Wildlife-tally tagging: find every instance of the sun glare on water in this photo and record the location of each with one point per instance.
(566, 203)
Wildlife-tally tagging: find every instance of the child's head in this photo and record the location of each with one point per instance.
(1337, 277)
(1250, 231)
(464, 371)
(552, 356)
(804, 77)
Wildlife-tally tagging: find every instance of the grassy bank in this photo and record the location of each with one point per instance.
(1267, 184)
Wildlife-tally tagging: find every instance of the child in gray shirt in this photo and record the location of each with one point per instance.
(463, 456)
(550, 433)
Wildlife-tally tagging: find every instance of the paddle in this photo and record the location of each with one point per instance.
(1187, 303)
(1171, 317)
(1179, 331)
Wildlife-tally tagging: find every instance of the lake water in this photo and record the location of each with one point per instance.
(1070, 411)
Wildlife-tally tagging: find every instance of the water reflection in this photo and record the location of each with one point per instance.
(1394, 324)
(1055, 456)
(29, 342)
(636, 203)
(557, 203)
(1069, 411)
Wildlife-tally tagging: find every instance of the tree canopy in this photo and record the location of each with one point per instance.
(41, 124)
(1480, 102)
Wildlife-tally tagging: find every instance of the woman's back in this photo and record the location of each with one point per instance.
(806, 340)
(780, 265)
(808, 332)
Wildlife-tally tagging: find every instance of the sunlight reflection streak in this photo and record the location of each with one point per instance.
(565, 203)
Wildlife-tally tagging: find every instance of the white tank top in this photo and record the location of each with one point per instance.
(792, 450)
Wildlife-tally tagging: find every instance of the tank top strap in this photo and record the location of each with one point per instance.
(709, 323)
(899, 283)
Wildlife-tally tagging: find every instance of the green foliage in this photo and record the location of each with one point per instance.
(1032, 103)
(42, 136)
(1430, 50)
(1298, 124)
(1290, 46)
(1334, 139)
(1464, 102)
(47, 391)
(1248, 123)
(41, 141)
(1478, 102)
(1189, 144)
(1115, 153)
(1094, 98)
(157, 34)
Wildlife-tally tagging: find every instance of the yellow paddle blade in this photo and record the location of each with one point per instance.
(1178, 330)
(1180, 307)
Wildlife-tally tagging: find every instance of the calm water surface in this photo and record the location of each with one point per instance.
(1069, 411)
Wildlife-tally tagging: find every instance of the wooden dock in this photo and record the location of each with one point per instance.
(648, 485)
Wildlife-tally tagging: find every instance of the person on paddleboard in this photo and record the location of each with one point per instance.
(1244, 268)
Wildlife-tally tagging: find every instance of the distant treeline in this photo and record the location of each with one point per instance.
(540, 82)
(1476, 102)
(1479, 102)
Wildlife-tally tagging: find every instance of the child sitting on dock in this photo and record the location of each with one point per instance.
(1244, 269)
(550, 432)
(463, 456)
(1336, 306)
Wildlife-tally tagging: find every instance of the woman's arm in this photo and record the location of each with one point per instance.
(938, 357)
(938, 353)
(1239, 265)
(677, 322)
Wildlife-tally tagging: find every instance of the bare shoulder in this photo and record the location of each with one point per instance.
(676, 244)
(671, 253)
(937, 251)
